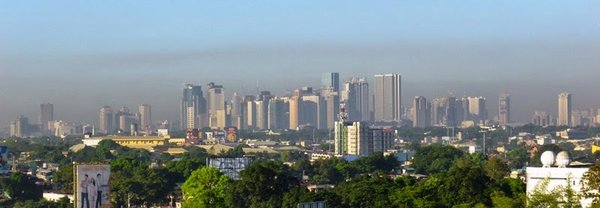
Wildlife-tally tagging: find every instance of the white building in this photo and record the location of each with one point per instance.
(557, 176)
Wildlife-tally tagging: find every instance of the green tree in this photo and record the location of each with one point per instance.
(206, 187)
(21, 187)
(464, 183)
(435, 158)
(64, 178)
(496, 169)
(262, 184)
(591, 184)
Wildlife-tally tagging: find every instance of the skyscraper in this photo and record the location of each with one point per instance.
(46, 115)
(193, 108)
(20, 127)
(145, 113)
(421, 112)
(541, 118)
(387, 103)
(332, 108)
(236, 111)
(504, 110)
(294, 106)
(444, 111)
(564, 109)
(331, 80)
(216, 106)
(356, 99)
(106, 120)
(477, 109)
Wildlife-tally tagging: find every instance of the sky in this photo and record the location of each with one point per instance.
(81, 55)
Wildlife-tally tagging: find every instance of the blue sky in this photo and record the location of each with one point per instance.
(126, 52)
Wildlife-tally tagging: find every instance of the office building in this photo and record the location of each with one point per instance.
(46, 115)
(477, 109)
(294, 114)
(20, 127)
(357, 138)
(249, 112)
(106, 120)
(236, 115)
(387, 103)
(541, 118)
(504, 110)
(564, 109)
(421, 111)
(356, 98)
(278, 112)
(443, 112)
(314, 111)
(216, 106)
(332, 108)
(145, 114)
(193, 108)
(331, 80)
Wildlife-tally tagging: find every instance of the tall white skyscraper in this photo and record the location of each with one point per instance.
(145, 114)
(504, 110)
(387, 103)
(564, 109)
(356, 99)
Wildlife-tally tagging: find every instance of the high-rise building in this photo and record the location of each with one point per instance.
(46, 115)
(236, 111)
(421, 112)
(145, 113)
(20, 127)
(216, 106)
(332, 108)
(262, 113)
(278, 113)
(443, 112)
(387, 103)
(541, 118)
(356, 138)
(564, 109)
(294, 106)
(314, 111)
(331, 80)
(250, 112)
(106, 120)
(356, 98)
(477, 109)
(504, 110)
(193, 108)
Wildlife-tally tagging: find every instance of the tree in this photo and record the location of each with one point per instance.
(591, 184)
(206, 187)
(496, 169)
(262, 184)
(517, 157)
(435, 158)
(464, 183)
(64, 178)
(21, 187)
(366, 191)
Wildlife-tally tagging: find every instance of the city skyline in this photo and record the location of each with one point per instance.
(468, 48)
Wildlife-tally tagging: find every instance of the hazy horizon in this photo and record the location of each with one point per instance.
(83, 55)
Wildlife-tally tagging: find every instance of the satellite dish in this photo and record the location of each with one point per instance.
(547, 159)
(562, 159)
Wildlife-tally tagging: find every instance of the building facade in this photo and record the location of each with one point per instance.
(387, 100)
(564, 109)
